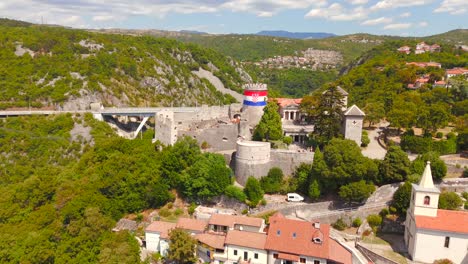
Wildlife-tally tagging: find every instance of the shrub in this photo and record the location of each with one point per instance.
(263, 202)
(384, 212)
(356, 191)
(164, 212)
(139, 217)
(287, 140)
(357, 222)
(273, 181)
(450, 201)
(451, 135)
(170, 205)
(192, 208)
(439, 135)
(178, 211)
(374, 220)
(364, 139)
(205, 145)
(392, 210)
(339, 224)
(253, 191)
(236, 193)
(443, 261)
(245, 211)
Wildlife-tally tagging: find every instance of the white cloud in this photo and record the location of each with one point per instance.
(336, 12)
(397, 26)
(377, 21)
(406, 14)
(267, 8)
(99, 18)
(358, 2)
(390, 4)
(423, 24)
(454, 7)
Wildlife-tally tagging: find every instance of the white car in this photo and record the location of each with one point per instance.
(294, 197)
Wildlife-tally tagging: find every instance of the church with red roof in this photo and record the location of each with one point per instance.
(432, 233)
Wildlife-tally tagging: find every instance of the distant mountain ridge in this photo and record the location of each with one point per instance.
(295, 35)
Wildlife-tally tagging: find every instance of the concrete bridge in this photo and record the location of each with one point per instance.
(144, 112)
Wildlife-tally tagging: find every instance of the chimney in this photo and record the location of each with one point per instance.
(317, 225)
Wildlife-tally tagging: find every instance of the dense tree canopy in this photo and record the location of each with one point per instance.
(356, 191)
(273, 181)
(438, 167)
(269, 127)
(450, 201)
(402, 197)
(395, 167)
(181, 247)
(253, 191)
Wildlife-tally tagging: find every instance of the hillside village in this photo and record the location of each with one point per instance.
(150, 150)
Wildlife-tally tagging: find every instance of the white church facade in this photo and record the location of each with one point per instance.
(432, 233)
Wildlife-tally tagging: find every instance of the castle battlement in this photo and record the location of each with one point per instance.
(255, 86)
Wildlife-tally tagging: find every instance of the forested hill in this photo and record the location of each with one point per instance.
(46, 66)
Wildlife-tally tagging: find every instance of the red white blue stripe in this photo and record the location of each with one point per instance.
(255, 98)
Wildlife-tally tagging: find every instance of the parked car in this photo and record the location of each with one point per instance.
(294, 197)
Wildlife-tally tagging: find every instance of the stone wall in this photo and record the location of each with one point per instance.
(220, 137)
(257, 158)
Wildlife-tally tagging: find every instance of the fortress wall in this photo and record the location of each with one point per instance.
(208, 113)
(221, 137)
(288, 161)
(256, 159)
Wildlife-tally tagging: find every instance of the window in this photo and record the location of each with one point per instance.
(294, 235)
(447, 242)
(316, 261)
(275, 255)
(302, 260)
(278, 232)
(246, 255)
(256, 256)
(427, 200)
(235, 252)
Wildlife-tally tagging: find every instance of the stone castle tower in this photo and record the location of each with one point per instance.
(255, 99)
(353, 119)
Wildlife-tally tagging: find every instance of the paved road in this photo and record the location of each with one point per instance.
(374, 150)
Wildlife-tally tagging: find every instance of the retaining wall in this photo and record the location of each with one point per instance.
(376, 258)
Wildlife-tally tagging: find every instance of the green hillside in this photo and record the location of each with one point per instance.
(50, 66)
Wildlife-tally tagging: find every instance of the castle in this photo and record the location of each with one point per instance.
(228, 130)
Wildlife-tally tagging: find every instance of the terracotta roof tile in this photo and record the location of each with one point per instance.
(446, 220)
(339, 254)
(283, 102)
(192, 224)
(290, 257)
(231, 220)
(296, 237)
(160, 227)
(246, 239)
(212, 240)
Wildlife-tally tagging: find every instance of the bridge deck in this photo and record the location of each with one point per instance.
(130, 111)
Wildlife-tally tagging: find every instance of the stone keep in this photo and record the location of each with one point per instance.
(352, 124)
(164, 128)
(255, 99)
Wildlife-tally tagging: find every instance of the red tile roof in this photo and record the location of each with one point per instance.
(446, 220)
(246, 239)
(283, 102)
(288, 257)
(296, 237)
(212, 240)
(339, 254)
(231, 220)
(192, 224)
(160, 227)
(457, 71)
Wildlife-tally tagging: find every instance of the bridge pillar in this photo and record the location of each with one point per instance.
(98, 116)
(143, 122)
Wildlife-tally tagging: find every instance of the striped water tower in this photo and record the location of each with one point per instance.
(255, 99)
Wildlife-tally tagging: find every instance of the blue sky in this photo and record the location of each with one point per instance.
(389, 17)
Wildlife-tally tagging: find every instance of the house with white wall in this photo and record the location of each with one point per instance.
(157, 236)
(432, 233)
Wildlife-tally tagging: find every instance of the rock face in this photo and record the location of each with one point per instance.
(330, 57)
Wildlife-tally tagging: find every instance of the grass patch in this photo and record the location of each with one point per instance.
(374, 240)
(395, 256)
